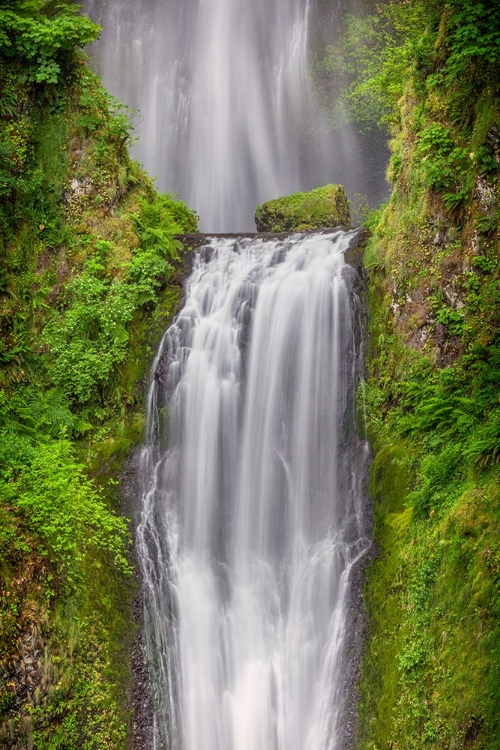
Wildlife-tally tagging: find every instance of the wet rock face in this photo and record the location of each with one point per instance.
(322, 207)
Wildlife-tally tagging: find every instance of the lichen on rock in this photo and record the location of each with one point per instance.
(320, 208)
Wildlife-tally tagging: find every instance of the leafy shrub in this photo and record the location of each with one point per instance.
(445, 164)
(62, 507)
(484, 264)
(41, 42)
(451, 318)
(474, 29)
(98, 109)
(90, 339)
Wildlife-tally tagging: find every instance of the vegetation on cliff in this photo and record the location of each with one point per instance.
(432, 664)
(87, 247)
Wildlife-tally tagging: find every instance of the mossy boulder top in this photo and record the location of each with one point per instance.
(319, 208)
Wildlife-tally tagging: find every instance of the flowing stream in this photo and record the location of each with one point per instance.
(252, 512)
(229, 115)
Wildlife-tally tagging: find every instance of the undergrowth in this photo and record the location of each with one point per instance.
(430, 673)
(88, 251)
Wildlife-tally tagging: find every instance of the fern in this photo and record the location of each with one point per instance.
(484, 450)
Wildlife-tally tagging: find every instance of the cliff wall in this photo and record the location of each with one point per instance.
(431, 669)
(88, 280)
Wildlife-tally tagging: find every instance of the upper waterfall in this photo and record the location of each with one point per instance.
(229, 115)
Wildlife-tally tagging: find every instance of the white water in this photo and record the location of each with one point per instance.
(251, 517)
(229, 117)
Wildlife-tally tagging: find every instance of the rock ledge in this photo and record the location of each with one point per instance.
(319, 208)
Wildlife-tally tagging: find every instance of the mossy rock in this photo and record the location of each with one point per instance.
(320, 208)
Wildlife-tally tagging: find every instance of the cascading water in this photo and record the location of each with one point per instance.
(252, 512)
(229, 115)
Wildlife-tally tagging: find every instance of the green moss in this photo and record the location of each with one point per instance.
(432, 601)
(322, 207)
(391, 477)
(432, 594)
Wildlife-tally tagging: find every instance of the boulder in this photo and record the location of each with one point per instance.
(322, 207)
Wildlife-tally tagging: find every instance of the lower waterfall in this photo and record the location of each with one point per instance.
(252, 512)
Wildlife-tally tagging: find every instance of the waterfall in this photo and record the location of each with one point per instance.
(229, 117)
(252, 514)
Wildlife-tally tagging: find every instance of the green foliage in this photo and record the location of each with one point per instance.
(160, 219)
(87, 717)
(365, 76)
(27, 417)
(375, 58)
(90, 339)
(438, 481)
(454, 416)
(444, 166)
(474, 34)
(106, 113)
(61, 506)
(43, 43)
(436, 147)
(484, 264)
(339, 68)
(87, 249)
(484, 449)
(448, 316)
(434, 591)
(430, 675)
